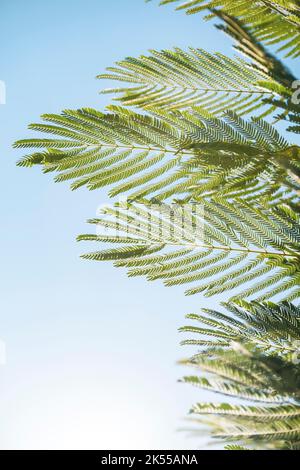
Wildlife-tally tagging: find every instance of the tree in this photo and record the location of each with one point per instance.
(199, 136)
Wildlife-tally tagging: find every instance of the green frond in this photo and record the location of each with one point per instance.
(271, 22)
(277, 431)
(260, 414)
(261, 58)
(258, 361)
(176, 79)
(166, 154)
(221, 245)
(275, 419)
(233, 223)
(271, 328)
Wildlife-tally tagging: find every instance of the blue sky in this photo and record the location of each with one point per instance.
(90, 354)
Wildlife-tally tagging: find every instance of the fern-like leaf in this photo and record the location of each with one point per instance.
(270, 21)
(178, 79)
(253, 356)
(215, 243)
(165, 154)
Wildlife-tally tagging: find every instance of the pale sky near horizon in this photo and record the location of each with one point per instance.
(91, 354)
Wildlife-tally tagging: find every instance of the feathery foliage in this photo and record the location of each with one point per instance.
(235, 222)
(166, 154)
(221, 245)
(253, 355)
(266, 62)
(176, 79)
(270, 21)
(247, 45)
(270, 328)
